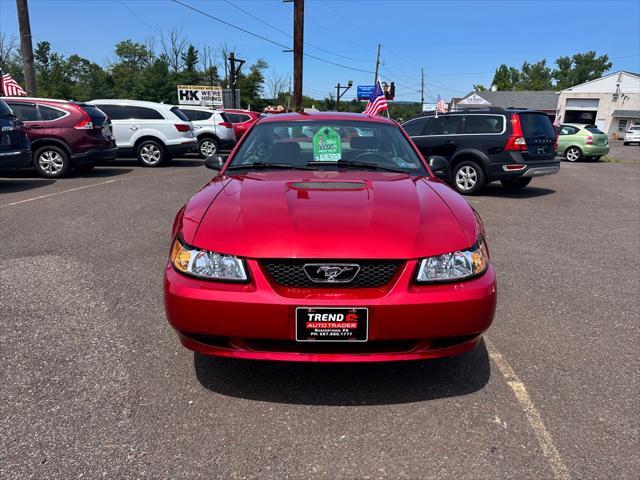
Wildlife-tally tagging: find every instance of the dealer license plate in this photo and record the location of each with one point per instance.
(331, 324)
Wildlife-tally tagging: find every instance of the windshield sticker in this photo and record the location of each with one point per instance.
(326, 145)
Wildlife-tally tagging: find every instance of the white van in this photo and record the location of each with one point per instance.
(153, 132)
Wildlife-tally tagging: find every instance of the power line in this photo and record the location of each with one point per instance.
(140, 18)
(291, 36)
(268, 39)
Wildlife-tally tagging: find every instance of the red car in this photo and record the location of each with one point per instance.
(241, 120)
(64, 135)
(327, 249)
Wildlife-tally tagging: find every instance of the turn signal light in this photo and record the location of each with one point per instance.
(589, 140)
(181, 127)
(226, 124)
(84, 124)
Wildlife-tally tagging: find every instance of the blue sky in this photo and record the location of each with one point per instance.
(458, 43)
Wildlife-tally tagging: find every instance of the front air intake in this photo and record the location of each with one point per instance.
(328, 185)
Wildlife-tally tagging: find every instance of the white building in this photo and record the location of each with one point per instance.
(611, 102)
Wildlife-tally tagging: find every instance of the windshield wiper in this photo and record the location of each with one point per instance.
(266, 165)
(361, 165)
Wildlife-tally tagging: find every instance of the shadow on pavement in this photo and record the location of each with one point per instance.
(345, 384)
(10, 185)
(99, 172)
(176, 162)
(527, 192)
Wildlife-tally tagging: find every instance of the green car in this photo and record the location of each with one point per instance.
(577, 141)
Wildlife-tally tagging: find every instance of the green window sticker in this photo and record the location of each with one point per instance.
(326, 145)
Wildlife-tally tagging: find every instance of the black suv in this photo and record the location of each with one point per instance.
(15, 148)
(483, 145)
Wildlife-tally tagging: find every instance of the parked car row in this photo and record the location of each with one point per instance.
(65, 135)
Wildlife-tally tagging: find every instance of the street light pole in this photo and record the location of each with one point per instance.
(339, 95)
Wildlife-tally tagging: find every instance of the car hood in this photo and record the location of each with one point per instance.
(333, 215)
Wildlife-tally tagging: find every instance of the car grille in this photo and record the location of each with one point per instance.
(290, 273)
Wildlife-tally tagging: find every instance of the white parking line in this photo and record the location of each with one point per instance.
(18, 202)
(549, 450)
(58, 193)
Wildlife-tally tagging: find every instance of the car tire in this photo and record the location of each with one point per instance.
(468, 178)
(626, 143)
(51, 161)
(151, 153)
(573, 154)
(208, 146)
(515, 183)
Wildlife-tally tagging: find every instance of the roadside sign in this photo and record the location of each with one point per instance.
(473, 99)
(365, 91)
(202, 95)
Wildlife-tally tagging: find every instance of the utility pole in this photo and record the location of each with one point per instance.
(26, 47)
(375, 80)
(421, 87)
(339, 95)
(298, 40)
(233, 73)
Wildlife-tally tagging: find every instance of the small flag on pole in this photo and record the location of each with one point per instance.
(441, 106)
(377, 101)
(11, 88)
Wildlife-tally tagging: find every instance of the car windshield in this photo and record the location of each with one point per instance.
(328, 144)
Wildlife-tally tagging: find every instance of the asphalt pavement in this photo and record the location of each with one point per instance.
(94, 383)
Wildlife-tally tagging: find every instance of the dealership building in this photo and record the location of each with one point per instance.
(611, 102)
(544, 100)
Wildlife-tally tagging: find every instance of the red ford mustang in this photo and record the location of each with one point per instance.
(325, 237)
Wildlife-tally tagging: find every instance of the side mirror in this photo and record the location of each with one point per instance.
(214, 162)
(438, 164)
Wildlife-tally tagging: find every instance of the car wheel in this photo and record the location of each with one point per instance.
(208, 147)
(515, 183)
(51, 162)
(573, 154)
(468, 178)
(151, 153)
(625, 143)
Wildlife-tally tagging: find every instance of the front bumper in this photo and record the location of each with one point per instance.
(257, 320)
(15, 158)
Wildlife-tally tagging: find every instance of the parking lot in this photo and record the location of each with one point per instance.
(96, 385)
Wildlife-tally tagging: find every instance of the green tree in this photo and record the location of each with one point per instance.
(251, 85)
(479, 88)
(535, 76)
(132, 58)
(190, 74)
(579, 68)
(506, 78)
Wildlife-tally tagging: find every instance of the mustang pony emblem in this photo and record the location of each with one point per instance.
(331, 273)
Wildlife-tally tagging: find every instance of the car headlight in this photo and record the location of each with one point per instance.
(206, 264)
(454, 266)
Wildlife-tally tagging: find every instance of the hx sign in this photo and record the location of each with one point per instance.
(202, 95)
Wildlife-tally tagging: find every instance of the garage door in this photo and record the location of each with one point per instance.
(582, 103)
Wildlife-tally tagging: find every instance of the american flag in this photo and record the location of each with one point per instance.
(10, 87)
(377, 101)
(440, 106)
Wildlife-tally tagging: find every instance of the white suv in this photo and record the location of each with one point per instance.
(632, 135)
(154, 132)
(214, 131)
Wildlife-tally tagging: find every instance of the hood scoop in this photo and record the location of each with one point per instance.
(328, 185)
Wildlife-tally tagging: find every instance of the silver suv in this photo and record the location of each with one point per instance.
(213, 129)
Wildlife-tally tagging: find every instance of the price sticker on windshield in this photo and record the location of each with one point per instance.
(326, 145)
